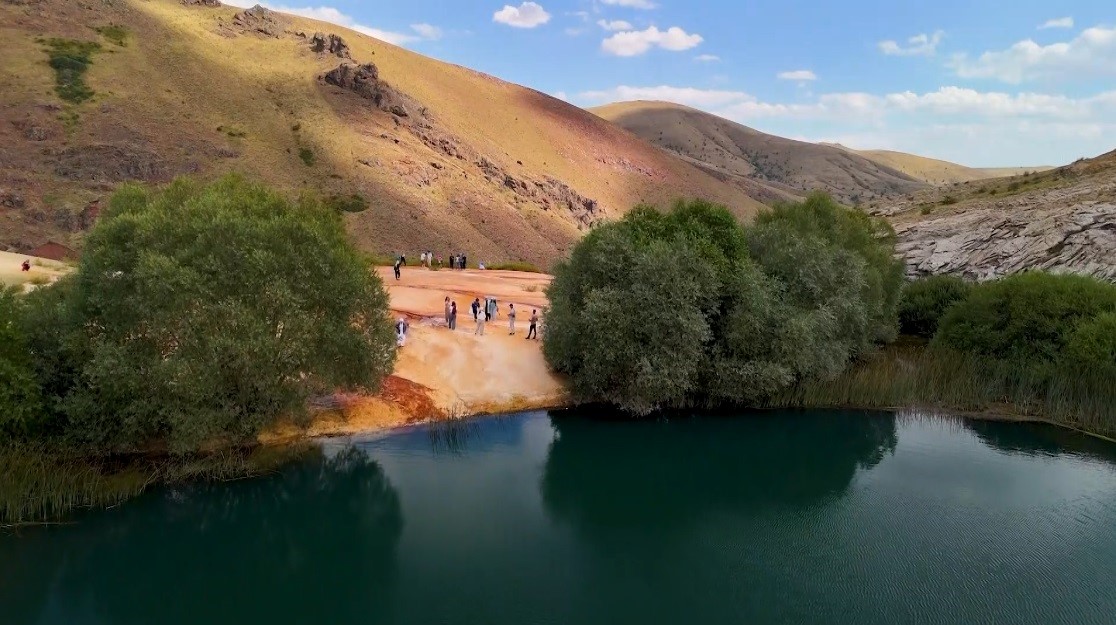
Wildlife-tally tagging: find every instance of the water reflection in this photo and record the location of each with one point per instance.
(312, 545)
(1039, 439)
(664, 474)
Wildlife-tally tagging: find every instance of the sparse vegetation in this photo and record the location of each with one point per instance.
(948, 200)
(352, 203)
(115, 33)
(514, 266)
(926, 209)
(70, 59)
(307, 156)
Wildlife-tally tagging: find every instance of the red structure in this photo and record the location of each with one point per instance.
(54, 251)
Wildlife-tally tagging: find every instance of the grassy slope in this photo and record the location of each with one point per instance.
(187, 71)
(784, 166)
(938, 172)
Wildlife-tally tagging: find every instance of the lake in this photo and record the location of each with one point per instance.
(774, 517)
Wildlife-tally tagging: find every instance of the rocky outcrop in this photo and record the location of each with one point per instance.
(364, 80)
(202, 3)
(113, 163)
(331, 44)
(261, 20)
(993, 242)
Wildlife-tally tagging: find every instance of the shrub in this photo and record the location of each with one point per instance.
(948, 200)
(1092, 345)
(1025, 318)
(307, 156)
(202, 313)
(658, 311)
(926, 300)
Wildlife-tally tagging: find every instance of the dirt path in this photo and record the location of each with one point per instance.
(443, 374)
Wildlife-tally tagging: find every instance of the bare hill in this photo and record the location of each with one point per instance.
(761, 162)
(935, 171)
(445, 158)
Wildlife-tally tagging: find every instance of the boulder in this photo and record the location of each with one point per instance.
(332, 44)
(261, 20)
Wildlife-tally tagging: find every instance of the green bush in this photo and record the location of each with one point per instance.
(926, 300)
(307, 156)
(1025, 318)
(949, 200)
(352, 203)
(206, 313)
(1092, 345)
(658, 311)
(115, 33)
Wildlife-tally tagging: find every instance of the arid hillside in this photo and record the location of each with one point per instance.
(771, 167)
(937, 172)
(101, 92)
(1060, 220)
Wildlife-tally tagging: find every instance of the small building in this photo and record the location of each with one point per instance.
(55, 251)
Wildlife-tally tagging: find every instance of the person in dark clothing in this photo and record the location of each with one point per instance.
(26, 266)
(532, 330)
(464, 262)
(453, 316)
(396, 267)
(403, 259)
(476, 308)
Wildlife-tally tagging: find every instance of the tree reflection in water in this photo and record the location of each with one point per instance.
(314, 544)
(650, 474)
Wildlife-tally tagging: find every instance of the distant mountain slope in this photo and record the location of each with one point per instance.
(934, 171)
(446, 157)
(780, 166)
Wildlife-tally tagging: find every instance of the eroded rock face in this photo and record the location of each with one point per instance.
(993, 242)
(364, 80)
(331, 44)
(113, 163)
(260, 20)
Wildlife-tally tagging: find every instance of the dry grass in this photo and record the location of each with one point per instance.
(184, 73)
(782, 168)
(938, 172)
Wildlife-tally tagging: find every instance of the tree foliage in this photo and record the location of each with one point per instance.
(925, 301)
(662, 310)
(20, 395)
(206, 312)
(1027, 317)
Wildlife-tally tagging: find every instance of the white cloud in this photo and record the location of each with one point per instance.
(526, 15)
(919, 45)
(707, 58)
(334, 16)
(798, 74)
(427, 31)
(583, 15)
(636, 42)
(1061, 22)
(1090, 54)
(615, 25)
(632, 4)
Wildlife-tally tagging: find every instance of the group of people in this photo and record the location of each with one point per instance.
(483, 313)
(428, 260)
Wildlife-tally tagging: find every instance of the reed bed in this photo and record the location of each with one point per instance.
(915, 376)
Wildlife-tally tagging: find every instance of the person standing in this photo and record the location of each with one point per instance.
(464, 262)
(532, 331)
(447, 308)
(453, 316)
(476, 308)
(480, 325)
(396, 267)
(511, 319)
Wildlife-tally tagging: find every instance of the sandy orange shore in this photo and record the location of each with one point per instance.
(444, 374)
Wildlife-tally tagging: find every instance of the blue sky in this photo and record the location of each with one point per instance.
(979, 82)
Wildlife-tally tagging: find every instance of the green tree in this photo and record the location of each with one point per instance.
(209, 312)
(1092, 346)
(925, 301)
(658, 311)
(20, 395)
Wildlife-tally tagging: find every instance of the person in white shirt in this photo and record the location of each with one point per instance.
(511, 319)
